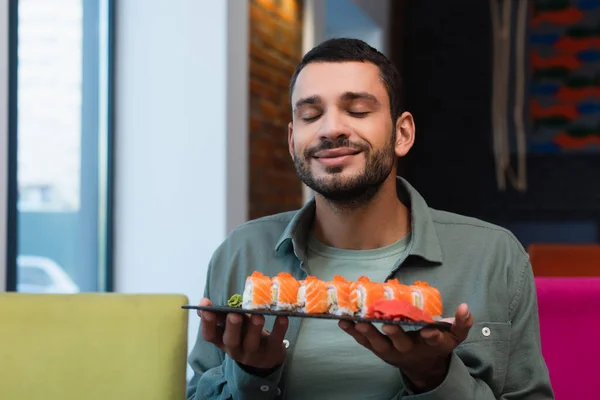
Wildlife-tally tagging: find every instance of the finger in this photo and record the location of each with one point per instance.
(203, 303)
(462, 323)
(277, 335)
(221, 322)
(245, 325)
(379, 342)
(401, 341)
(208, 325)
(209, 330)
(433, 337)
(350, 329)
(345, 325)
(231, 337)
(252, 337)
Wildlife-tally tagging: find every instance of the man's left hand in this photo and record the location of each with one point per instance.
(422, 356)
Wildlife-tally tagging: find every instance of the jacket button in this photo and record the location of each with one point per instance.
(264, 388)
(486, 331)
(286, 343)
(278, 392)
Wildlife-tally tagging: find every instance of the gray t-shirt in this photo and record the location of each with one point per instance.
(325, 358)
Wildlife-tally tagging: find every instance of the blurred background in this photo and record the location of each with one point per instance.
(135, 134)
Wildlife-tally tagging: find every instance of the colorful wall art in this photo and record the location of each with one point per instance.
(564, 57)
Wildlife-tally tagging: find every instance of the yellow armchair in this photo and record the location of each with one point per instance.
(92, 346)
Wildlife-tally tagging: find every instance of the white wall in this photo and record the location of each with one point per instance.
(3, 137)
(180, 140)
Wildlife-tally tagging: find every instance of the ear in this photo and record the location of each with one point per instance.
(291, 147)
(405, 134)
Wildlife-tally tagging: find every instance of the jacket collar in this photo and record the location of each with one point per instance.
(424, 236)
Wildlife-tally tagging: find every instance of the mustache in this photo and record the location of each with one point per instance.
(328, 144)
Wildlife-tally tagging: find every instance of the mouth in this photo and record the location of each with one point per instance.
(336, 153)
(336, 157)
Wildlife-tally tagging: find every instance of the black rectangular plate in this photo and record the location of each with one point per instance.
(406, 325)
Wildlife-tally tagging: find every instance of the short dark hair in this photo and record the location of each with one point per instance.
(347, 50)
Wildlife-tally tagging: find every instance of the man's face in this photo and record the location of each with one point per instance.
(342, 138)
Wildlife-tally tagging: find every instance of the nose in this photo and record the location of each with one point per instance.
(332, 126)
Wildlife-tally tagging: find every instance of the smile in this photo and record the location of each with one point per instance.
(335, 156)
(335, 153)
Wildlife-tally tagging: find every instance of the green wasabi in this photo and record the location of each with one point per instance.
(235, 301)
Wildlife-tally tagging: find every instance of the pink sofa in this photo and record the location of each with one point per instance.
(569, 310)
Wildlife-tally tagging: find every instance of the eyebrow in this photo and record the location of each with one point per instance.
(308, 100)
(360, 96)
(312, 100)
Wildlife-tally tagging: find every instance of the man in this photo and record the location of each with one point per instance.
(347, 131)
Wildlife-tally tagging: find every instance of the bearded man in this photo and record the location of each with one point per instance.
(347, 132)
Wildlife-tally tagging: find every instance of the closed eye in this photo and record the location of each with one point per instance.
(359, 114)
(311, 119)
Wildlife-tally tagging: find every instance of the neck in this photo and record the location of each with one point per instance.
(381, 222)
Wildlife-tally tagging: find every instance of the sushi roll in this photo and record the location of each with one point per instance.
(339, 296)
(338, 291)
(257, 292)
(354, 295)
(427, 298)
(365, 293)
(284, 291)
(394, 290)
(312, 296)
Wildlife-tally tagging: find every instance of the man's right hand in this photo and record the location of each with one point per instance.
(244, 338)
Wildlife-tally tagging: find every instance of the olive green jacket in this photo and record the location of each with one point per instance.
(468, 260)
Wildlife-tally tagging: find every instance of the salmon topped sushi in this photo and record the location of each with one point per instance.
(354, 293)
(394, 290)
(427, 298)
(365, 293)
(284, 291)
(340, 302)
(338, 296)
(312, 296)
(257, 292)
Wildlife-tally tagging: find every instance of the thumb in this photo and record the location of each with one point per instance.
(463, 321)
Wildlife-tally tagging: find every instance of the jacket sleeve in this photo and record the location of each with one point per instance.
(216, 376)
(527, 375)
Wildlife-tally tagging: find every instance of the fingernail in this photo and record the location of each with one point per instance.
(389, 330)
(361, 328)
(233, 319)
(208, 317)
(427, 333)
(467, 315)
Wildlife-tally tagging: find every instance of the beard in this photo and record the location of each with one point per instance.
(348, 191)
